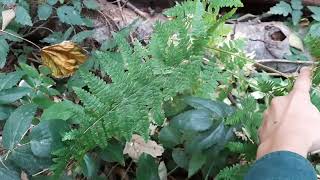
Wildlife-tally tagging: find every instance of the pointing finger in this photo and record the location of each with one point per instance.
(303, 82)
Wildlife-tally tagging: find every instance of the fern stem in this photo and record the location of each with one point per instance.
(250, 60)
(24, 39)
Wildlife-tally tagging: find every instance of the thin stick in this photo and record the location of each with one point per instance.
(127, 170)
(286, 61)
(135, 9)
(21, 38)
(252, 61)
(38, 173)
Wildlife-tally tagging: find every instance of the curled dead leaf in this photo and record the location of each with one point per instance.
(7, 17)
(137, 146)
(296, 42)
(63, 59)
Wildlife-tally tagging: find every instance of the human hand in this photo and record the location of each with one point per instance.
(292, 122)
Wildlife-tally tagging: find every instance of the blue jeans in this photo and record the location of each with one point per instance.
(281, 165)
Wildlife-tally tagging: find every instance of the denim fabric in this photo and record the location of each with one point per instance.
(281, 165)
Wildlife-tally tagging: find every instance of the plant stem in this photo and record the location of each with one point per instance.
(169, 173)
(250, 60)
(11, 34)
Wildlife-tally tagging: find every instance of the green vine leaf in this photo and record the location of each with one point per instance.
(4, 50)
(196, 162)
(17, 125)
(296, 16)
(7, 2)
(316, 12)
(147, 168)
(91, 4)
(46, 137)
(314, 30)
(8, 174)
(7, 81)
(11, 95)
(282, 8)
(44, 11)
(23, 16)
(296, 4)
(81, 36)
(69, 15)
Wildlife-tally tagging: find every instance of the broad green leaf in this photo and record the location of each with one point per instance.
(46, 137)
(69, 15)
(10, 37)
(4, 50)
(62, 110)
(7, 174)
(195, 120)
(23, 158)
(5, 112)
(42, 101)
(316, 12)
(314, 30)
(22, 16)
(180, 158)
(196, 162)
(282, 8)
(218, 109)
(147, 168)
(113, 153)
(44, 11)
(91, 4)
(77, 5)
(78, 38)
(30, 71)
(67, 33)
(9, 80)
(10, 95)
(90, 166)
(7, 2)
(52, 2)
(17, 125)
(296, 4)
(296, 16)
(54, 38)
(216, 137)
(169, 136)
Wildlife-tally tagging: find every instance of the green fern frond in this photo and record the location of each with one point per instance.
(226, 3)
(313, 44)
(248, 149)
(142, 80)
(248, 116)
(235, 172)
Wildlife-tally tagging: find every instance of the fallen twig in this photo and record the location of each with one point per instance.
(135, 9)
(310, 63)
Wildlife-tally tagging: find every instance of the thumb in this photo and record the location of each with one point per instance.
(303, 82)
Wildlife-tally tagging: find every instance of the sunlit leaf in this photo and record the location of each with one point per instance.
(63, 59)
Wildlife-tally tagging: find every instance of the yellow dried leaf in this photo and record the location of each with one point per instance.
(63, 59)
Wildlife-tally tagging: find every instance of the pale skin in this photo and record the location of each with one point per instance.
(292, 122)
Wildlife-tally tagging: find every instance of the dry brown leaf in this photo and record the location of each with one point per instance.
(63, 59)
(7, 17)
(137, 146)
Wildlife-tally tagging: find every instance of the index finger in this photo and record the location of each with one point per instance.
(303, 82)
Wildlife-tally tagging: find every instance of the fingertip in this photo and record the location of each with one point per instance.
(303, 82)
(305, 71)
